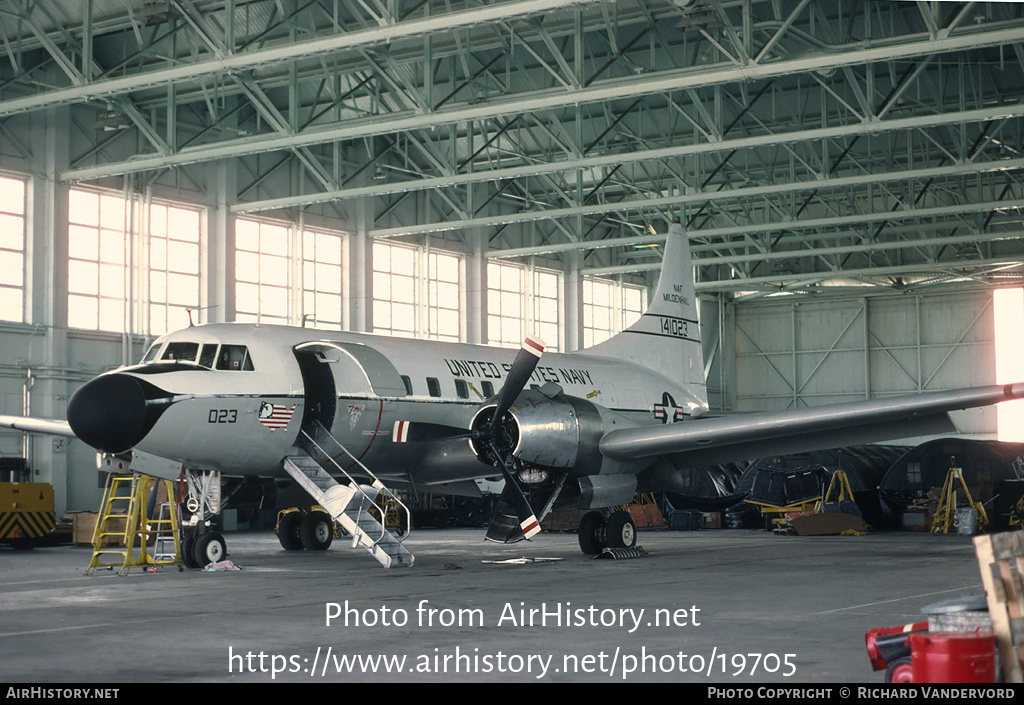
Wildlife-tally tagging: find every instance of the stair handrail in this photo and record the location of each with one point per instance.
(322, 431)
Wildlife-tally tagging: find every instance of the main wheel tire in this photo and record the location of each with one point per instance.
(210, 548)
(289, 529)
(316, 531)
(592, 533)
(621, 530)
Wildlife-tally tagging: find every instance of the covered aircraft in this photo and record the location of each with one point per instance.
(350, 415)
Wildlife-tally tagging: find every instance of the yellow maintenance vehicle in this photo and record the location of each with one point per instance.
(27, 513)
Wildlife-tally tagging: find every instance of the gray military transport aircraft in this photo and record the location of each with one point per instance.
(350, 415)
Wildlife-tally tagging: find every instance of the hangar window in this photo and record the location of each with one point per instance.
(173, 266)
(417, 292)
(112, 288)
(322, 268)
(1008, 314)
(395, 299)
(12, 249)
(444, 279)
(284, 275)
(547, 286)
(506, 293)
(97, 269)
(609, 307)
(262, 271)
(522, 300)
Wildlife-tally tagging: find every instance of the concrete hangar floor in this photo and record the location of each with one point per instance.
(709, 607)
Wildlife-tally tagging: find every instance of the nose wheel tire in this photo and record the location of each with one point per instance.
(188, 555)
(209, 548)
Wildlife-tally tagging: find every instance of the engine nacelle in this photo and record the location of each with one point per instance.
(545, 428)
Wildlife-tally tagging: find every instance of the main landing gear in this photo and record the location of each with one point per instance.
(298, 530)
(597, 532)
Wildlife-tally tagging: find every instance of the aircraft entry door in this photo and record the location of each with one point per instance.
(318, 382)
(349, 386)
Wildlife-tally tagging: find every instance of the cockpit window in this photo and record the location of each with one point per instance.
(208, 356)
(186, 352)
(234, 357)
(151, 353)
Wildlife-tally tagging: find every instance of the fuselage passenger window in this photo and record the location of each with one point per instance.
(488, 388)
(461, 389)
(407, 381)
(433, 387)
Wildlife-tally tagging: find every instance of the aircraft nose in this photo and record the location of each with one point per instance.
(110, 413)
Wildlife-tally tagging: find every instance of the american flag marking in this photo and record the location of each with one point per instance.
(274, 417)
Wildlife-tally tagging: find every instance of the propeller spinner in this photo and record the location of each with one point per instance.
(488, 433)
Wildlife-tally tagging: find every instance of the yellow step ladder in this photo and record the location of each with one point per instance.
(946, 511)
(123, 528)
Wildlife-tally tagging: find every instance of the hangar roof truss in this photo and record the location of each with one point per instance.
(810, 145)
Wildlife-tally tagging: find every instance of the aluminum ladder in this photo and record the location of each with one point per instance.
(352, 505)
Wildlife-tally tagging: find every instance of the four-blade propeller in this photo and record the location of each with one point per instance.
(487, 433)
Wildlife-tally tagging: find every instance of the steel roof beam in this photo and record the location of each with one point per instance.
(788, 279)
(706, 234)
(934, 120)
(661, 82)
(703, 197)
(289, 52)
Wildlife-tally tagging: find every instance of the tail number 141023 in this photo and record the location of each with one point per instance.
(676, 327)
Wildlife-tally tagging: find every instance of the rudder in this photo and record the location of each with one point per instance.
(666, 339)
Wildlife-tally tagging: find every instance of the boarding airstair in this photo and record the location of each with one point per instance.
(358, 507)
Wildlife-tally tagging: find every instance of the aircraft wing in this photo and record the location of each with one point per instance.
(704, 441)
(56, 427)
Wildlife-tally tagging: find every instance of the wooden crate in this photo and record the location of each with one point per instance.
(84, 525)
(1001, 560)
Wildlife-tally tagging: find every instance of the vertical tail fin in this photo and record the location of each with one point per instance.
(666, 339)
